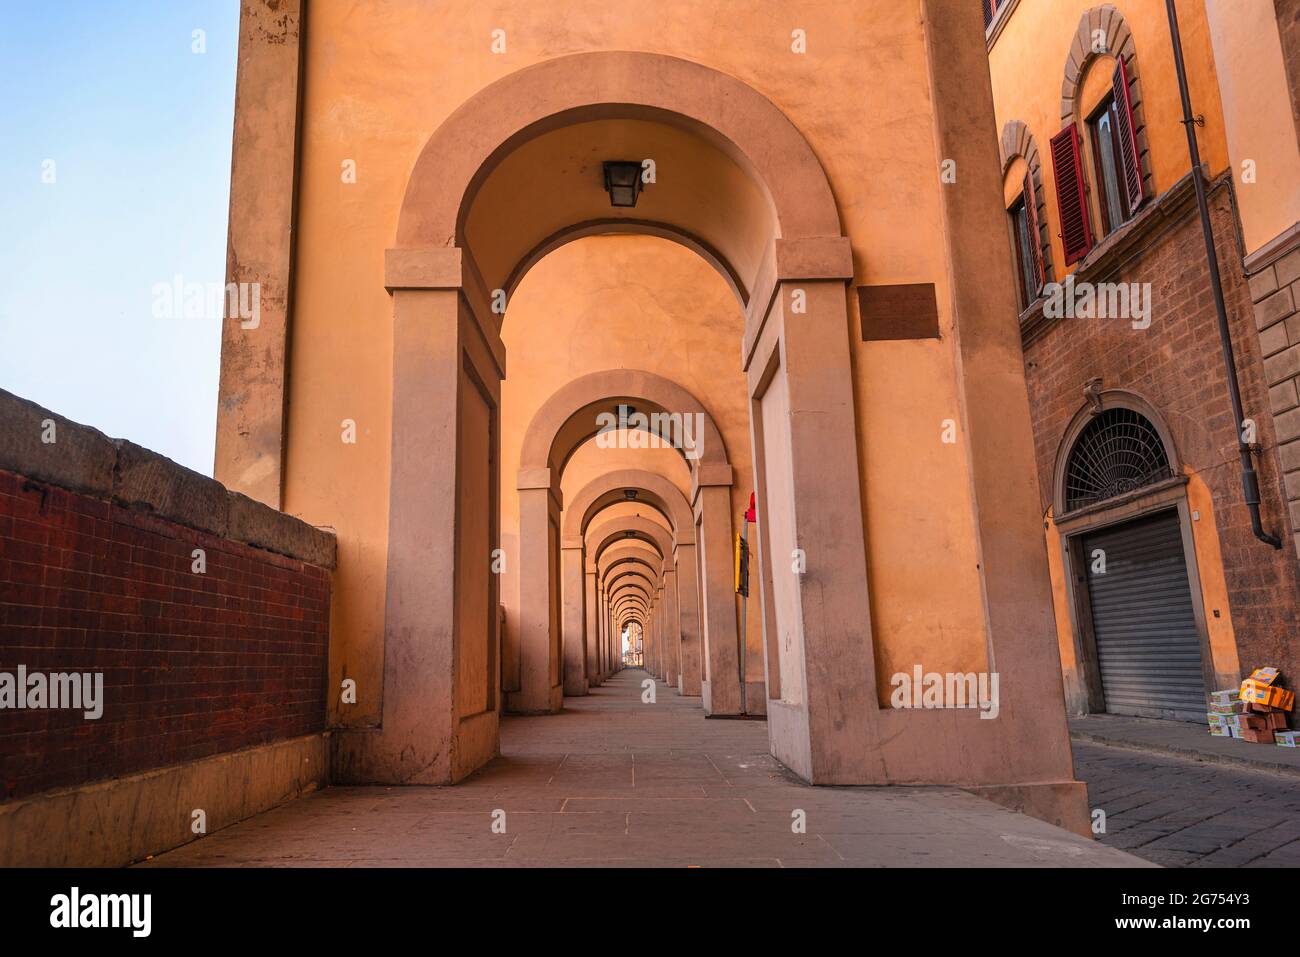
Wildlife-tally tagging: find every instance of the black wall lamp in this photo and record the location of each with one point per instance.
(623, 182)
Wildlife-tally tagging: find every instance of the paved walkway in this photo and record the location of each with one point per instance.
(1176, 796)
(612, 781)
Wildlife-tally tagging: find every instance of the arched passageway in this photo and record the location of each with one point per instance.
(770, 218)
(551, 568)
(641, 486)
(504, 184)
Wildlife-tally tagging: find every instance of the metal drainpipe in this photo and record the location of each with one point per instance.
(1249, 480)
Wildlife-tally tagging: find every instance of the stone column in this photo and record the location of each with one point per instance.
(671, 632)
(250, 438)
(596, 649)
(651, 649)
(441, 642)
(541, 672)
(688, 620)
(712, 503)
(577, 669)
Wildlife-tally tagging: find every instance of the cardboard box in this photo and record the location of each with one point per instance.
(1255, 722)
(1227, 696)
(1254, 692)
(1287, 739)
(1237, 707)
(1220, 731)
(1257, 737)
(1265, 676)
(1276, 720)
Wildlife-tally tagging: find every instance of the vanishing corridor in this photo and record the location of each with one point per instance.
(613, 781)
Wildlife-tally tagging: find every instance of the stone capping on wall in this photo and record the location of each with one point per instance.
(84, 460)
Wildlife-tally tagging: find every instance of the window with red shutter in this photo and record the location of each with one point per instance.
(1071, 195)
(1031, 221)
(1126, 128)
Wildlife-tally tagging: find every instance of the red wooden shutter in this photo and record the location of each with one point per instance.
(1127, 139)
(1031, 221)
(989, 7)
(1071, 195)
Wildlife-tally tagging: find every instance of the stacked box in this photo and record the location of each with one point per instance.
(1224, 699)
(1257, 736)
(1287, 739)
(1264, 702)
(1236, 707)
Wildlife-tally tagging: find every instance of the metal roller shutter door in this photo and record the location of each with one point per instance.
(1148, 647)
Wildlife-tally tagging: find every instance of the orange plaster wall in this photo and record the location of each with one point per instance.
(380, 78)
(1257, 116)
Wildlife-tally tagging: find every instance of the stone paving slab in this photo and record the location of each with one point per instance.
(613, 782)
(1179, 812)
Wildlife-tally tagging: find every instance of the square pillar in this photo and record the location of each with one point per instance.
(576, 667)
(441, 624)
(596, 648)
(688, 621)
(541, 669)
(720, 685)
(672, 627)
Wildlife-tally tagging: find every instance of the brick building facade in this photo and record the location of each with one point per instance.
(1162, 589)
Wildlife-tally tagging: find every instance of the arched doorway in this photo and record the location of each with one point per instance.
(648, 488)
(763, 208)
(566, 420)
(1121, 507)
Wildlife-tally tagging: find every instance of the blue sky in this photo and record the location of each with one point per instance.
(138, 128)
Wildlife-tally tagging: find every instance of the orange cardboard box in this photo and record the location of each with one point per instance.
(1255, 692)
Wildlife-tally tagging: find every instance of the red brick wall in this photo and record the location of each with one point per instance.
(193, 664)
(1177, 365)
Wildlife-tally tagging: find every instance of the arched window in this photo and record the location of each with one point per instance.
(1100, 158)
(1027, 211)
(1117, 452)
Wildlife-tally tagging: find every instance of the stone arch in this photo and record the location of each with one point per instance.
(633, 590)
(1106, 22)
(658, 492)
(625, 226)
(449, 360)
(1105, 401)
(566, 420)
(628, 603)
(637, 579)
(569, 418)
(602, 536)
(641, 586)
(1018, 141)
(627, 555)
(746, 125)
